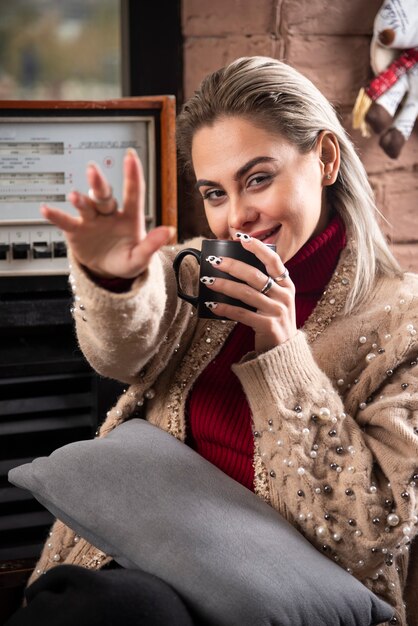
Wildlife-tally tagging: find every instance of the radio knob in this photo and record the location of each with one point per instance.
(20, 250)
(60, 249)
(41, 250)
(4, 249)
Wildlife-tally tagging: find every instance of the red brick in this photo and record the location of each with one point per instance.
(400, 202)
(316, 17)
(372, 155)
(223, 17)
(396, 196)
(407, 255)
(381, 217)
(375, 160)
(203, 55)
(334, 64)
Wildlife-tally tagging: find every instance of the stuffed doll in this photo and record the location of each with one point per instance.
(389, 105)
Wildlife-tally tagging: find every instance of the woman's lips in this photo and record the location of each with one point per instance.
(272, 237)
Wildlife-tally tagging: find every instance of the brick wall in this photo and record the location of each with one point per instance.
(329, 43)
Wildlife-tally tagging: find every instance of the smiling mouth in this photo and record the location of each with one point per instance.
(271, 234)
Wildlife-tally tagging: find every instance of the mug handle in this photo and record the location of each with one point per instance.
(176, 266)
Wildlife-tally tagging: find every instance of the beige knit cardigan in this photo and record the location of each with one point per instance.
(335, 410)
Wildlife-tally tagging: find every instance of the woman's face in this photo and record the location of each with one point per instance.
(258, 183)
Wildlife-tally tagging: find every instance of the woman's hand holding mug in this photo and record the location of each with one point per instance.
(245, 281)
(111, 241)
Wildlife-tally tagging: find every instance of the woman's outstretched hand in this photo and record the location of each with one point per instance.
(272, 295)
(111, 241)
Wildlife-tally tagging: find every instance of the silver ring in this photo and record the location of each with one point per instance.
(269, 284)
(100, 202)
(282, 276)
(97, 200)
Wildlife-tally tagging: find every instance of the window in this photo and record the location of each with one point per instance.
(53, 50)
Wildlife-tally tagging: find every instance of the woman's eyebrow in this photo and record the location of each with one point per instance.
(202, 182)
(250, 164)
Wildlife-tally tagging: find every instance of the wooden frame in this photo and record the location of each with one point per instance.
(166, 105)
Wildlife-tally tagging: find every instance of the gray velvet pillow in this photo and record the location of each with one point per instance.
(155, 504)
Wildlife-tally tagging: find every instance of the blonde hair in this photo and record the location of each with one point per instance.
(274, 96)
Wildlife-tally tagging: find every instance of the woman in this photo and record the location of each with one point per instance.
(313, 397)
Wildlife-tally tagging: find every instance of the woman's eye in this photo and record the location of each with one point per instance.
(213, 194)
(258, 179)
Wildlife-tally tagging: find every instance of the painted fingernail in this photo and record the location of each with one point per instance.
(243, 236)
(214, 260)
(207, 280)
(211, 305)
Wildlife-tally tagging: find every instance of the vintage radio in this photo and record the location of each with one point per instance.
(49, 395)
(44, 150)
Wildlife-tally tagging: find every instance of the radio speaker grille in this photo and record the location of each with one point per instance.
(37, 415)
(49, 397)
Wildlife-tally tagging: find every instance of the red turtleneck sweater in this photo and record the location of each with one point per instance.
(218, 414)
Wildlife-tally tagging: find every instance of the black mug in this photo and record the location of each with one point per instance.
(215, 248)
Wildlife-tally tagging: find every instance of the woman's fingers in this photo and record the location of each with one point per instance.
(134, 188)
(111, 242)
(64, 221)
(273, 263)
(100, 192)
(83, 204)
(274, 320)
(156, 239)
(97, 181)
(270, 331)
(279, 295)
(236, 314)
(100, 201)
(254, 277)
(271, 328)
(247, 294)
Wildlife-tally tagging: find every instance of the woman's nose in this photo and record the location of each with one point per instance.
(240, 213)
